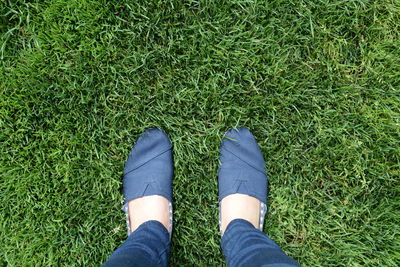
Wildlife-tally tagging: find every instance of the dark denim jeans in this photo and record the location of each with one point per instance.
(242, 245)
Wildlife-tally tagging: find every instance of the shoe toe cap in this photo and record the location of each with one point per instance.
(241, 143)
(150, 144)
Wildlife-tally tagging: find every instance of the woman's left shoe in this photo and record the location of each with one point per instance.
(149, 170)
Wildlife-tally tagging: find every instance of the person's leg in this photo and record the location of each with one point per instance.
(147, 185)
(148, 245)
(242, 183)
(244, 245)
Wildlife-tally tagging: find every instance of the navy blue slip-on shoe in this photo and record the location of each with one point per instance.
(242, 168)
(149, 169)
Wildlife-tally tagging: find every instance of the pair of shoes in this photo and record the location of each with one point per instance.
(149, 169)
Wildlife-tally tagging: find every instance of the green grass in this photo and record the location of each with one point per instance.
(318, 83)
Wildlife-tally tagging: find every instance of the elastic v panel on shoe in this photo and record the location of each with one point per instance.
(239, 179)
(153, 178)
(125, 209)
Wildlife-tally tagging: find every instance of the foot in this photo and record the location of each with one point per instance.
(148, 208)
(240, 206)
(242, 179)
(148, 181)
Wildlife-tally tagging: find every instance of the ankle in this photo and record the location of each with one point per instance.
(149, 208)
(239, 206)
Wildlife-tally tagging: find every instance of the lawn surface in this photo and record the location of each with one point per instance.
(318, 83)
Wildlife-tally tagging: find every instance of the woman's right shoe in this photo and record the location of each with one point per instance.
(242, 169)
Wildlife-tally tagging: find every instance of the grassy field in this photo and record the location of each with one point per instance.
(318, 83)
